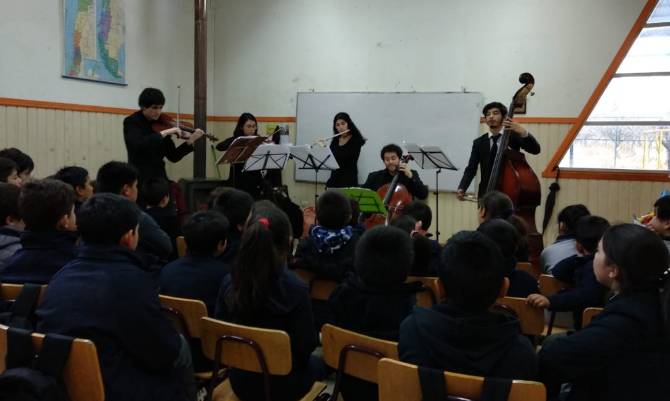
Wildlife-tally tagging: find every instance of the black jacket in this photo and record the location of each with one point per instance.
(41, 256)
(326, 265)
(485, 344)
(104, 295)
(153, 240)
(620, 355)
(146, 148)
(167, 220)
(479, 155)
(377, 179)
(287, 308)
(347, 158)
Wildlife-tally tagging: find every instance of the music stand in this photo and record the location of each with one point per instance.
(314, 158)
(368, 200)
(267, 157)
(431, 157)
(239, 151)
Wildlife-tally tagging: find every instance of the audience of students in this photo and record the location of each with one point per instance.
(237, 206)
(564, 246)
(49, 239)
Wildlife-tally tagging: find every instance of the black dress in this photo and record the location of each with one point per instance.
(347, 157)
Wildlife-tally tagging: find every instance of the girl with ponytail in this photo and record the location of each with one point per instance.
(262, 292)
(624, 353)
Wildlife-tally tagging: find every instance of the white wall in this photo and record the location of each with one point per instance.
(265, 51)
(159, 52)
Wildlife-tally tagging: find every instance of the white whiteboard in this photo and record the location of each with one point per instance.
(449, 120)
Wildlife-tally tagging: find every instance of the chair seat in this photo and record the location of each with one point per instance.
(224, 392)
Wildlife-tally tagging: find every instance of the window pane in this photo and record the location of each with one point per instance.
(649, 53)
(661, 13)
(620, 147)
(634, 99)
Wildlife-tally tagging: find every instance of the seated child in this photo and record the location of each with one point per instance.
(462, 335)
(80, 182)
(497, 205)
(376, 299)
(506, 236)
(198, 275)
(262, 292)
(11, 224)
(121, 179)
(423, 247)
(237, 206)
(23, 162)
(156, 196)
(329, 249)
(660, 223)
(577, 271)
(624, 353)
(49, 240)
(9, 172)
(421, 212)
(105, 295)
(564, 246)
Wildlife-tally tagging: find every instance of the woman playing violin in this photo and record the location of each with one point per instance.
(391, 156)
(346, 147)
(146, 147)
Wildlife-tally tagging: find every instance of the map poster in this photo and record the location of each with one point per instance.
(95, 43)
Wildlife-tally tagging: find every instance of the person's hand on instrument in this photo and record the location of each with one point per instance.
(171, 131)
(515, 127)
(460, 194)
(404, 167)
(197, 134)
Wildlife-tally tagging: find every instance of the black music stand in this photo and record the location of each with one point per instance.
(239, 151)
(267, 157)
(431, 157)
(314, 158)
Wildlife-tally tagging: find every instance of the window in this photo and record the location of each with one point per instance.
(629, 126)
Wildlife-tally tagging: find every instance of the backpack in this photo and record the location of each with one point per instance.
(31, 377)
(20, 313)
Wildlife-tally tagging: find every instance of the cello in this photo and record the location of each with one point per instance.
(512, 175)
(394, 197)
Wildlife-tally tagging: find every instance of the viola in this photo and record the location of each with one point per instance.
(164, 122)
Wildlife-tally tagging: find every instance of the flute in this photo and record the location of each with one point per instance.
(322, 141)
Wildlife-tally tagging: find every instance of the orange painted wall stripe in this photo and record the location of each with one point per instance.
(550, 169)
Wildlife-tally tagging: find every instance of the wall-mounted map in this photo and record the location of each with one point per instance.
(95, 43)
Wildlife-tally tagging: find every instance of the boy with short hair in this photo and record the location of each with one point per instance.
(121, 179)
(24, 162)
(660, 223)
(80, 182)
(11, 224)
(564, 246)
(329, 249)
(49, 240)
(106, 296)
(9, 172)
(577, 271)
(462, 335)
(237, 206)
(156, 196)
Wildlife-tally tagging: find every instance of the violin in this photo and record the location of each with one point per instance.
(164, 122)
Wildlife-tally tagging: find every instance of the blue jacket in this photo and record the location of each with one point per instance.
(10, 242)
(195, 277)
(104, 295)
(41, 256)
(287, 308)
(153, 240)
(621, 355)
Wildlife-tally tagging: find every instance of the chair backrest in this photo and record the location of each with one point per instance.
(181, 246)
(427, 299)
(399, 381)
(319, 289)
(588, 314)
(527, 267)
(355, 352)
(191, 310)
(550, 285)
(245, 347)
(81, 373)
(9, 292)
(530, 318)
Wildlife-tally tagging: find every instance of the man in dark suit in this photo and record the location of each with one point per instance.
(391, 156)
(485, 147)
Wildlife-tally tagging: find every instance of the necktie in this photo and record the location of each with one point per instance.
(494, 149)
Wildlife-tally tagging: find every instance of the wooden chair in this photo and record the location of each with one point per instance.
(399, 381)
(527, 267)
(588, 314)
(81, 373)
(550, 285)
(530, 318)
(319, 289)
(9, 292)
(354, 354)
(181, 246)
(248, 348)
(434, 292)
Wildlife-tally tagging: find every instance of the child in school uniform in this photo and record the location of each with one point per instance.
(660, 223)
(577, 271)
(238, 207)
(156, 197)
(564, 246)
(80, 182)
(624, 353)
(11, 224)
(24, 163)
(9, 172)
(49, 239)
(262, 292)
(462, 335)
(106, 295)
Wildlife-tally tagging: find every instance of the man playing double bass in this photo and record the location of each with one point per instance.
(485, 147)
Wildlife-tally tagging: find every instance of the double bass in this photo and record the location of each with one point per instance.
(512, 175)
